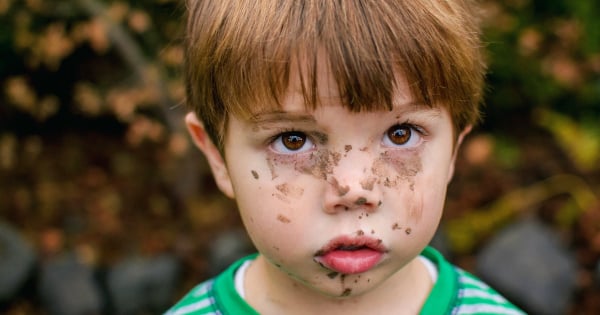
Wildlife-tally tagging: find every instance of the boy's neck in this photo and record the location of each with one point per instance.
(271, 291)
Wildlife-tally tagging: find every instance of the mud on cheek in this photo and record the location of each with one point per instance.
(405, 168)
(318, 164)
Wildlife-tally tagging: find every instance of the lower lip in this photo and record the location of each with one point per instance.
(351, 262)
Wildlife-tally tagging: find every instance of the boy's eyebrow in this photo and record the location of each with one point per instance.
(277, 117)
(286, 117)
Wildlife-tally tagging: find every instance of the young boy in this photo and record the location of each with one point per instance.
(335, 126)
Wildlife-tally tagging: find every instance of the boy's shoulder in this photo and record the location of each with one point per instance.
(200, 300)
(217, 295)
(476, 297)
(457, 291)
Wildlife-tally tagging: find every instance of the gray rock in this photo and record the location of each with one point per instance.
(17, 260)
(528, 263)
(440, 242)
(68, 287)
(140, 285)
(228, 247)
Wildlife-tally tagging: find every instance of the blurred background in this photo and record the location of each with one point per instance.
(106, 208)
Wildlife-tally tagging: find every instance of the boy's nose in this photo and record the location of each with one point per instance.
(352, 186)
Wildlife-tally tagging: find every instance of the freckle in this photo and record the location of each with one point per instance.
(372, 231)
(396, 226)
(283, 218)
(346, 208)
(254, 174)
(360, 201)
(332, 275)
(363, 149)
(407, 231)
(360, 217)
(355, 280)
(346, 292)
(276, 248)
(360, 233)
(347, 148)
(366, 214)
(379, 203)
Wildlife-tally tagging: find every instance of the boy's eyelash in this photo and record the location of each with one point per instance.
(321, 138)
(415, 126)
(278, 133)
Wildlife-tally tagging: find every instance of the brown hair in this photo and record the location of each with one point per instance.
(239, 54)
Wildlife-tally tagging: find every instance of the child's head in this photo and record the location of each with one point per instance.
(240, 53)
(334, 126)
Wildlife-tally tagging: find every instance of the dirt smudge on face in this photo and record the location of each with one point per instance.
(341, 190)
(319, 163)
(408, 231)
(407, 166)
(333, 274)
(368, 184)
(416, 209)
(360, 201)
(281, 197)
(360, 233)
(283, 219)
(346, 292)
(347, 148)
(254, 174)
(271, 162)
(290, 190)
(396, 226)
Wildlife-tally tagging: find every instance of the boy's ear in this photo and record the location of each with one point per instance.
(459, 141)
(214, 157)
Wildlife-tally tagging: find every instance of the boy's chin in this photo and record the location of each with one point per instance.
(337, 286)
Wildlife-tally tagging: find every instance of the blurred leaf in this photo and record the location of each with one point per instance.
(579, 140)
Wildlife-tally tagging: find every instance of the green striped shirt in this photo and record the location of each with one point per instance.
(455, 292)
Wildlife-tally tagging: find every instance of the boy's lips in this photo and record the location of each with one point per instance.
(350, 255)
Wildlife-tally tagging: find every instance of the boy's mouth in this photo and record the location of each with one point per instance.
(350, 255)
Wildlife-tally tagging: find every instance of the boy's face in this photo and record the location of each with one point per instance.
(338, 201)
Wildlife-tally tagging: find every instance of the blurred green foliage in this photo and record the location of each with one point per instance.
(544, 54)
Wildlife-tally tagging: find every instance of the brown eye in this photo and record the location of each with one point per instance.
(399, 134)
(293, 141)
